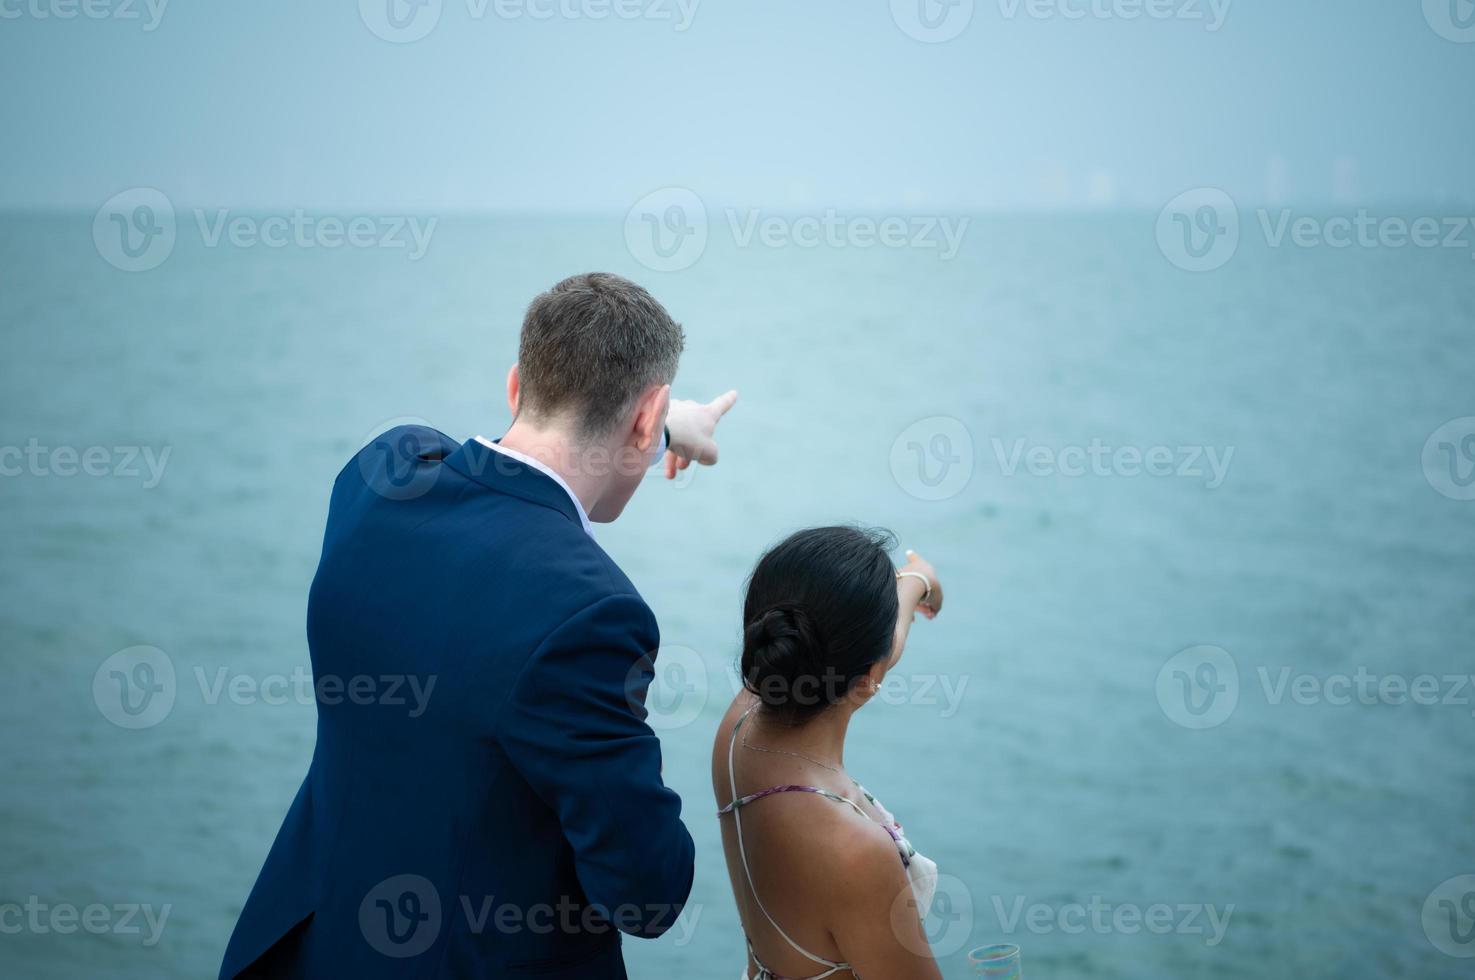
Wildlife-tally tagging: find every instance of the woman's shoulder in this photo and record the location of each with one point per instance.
(821, 830)
(833, 857)
(845, 838)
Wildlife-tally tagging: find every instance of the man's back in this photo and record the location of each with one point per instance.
(484, 797)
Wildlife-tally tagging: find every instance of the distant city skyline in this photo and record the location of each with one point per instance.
(589, 105)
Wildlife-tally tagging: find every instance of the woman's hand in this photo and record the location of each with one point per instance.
(912, 589)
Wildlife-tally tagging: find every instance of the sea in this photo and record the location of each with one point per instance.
(1199, 703)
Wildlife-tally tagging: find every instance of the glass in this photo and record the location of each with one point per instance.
(997, 962)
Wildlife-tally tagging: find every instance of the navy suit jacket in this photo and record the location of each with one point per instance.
(485, 797)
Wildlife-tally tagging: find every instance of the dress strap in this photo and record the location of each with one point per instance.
(789, 788)
(735, 808)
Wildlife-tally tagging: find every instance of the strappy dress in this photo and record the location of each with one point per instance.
(921, 872)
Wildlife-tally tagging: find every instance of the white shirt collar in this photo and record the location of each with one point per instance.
(541, 468)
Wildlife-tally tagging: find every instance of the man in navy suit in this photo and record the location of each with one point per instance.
(485, 797)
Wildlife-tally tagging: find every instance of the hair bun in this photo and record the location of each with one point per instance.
(778, 625)
(781, 646)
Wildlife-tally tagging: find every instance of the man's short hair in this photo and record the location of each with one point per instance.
(590, 346)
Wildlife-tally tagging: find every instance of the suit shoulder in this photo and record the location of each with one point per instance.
(549, 556)
(592, 574)
(398, 450)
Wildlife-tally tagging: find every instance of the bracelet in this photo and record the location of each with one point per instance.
(927, 582)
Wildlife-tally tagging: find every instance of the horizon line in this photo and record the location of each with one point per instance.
(879, 210)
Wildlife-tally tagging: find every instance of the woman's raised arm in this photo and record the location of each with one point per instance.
(918, 590)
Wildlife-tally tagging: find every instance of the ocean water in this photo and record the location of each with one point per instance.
(1027, 743)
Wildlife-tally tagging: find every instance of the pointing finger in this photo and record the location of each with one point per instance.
(723, 403)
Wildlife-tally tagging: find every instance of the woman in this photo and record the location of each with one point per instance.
(826, 882)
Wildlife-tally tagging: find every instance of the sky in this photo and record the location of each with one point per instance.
(587, 105)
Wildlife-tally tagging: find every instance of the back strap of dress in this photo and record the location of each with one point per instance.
(736, 808)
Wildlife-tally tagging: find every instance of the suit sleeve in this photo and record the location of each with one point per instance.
(574, 727)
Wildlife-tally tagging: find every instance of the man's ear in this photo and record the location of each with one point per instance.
(650, 417)
(514, 388)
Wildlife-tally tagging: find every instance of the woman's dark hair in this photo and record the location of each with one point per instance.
(820, 611)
